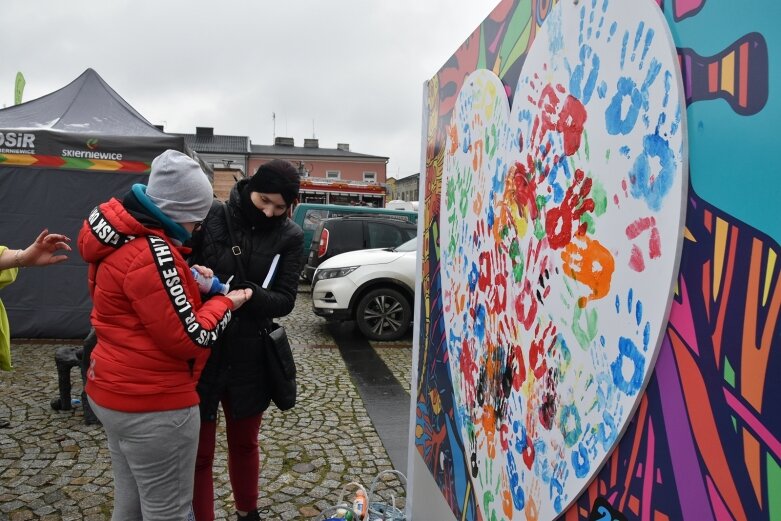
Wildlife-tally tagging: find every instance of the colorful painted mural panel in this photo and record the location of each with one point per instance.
(704, 441)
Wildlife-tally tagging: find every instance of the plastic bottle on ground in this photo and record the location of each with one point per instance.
(360, 505)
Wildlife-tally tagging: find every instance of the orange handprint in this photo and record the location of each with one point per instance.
(587, 261)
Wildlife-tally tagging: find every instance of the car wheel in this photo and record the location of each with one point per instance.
(383, 314)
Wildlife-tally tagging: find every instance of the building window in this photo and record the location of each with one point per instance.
(333, 174)
(370, 177)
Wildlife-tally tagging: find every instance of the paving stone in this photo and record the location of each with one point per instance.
(21, 515)
(10, 506)
(308, 511)
(303, 468)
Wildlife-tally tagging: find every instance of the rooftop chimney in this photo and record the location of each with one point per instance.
(311, 143)
(343, 146)
(284, 141)
(204, 131)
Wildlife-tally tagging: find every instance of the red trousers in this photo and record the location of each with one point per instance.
(243, 464)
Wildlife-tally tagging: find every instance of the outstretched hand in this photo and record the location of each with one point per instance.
(42, 251)
(239, 297)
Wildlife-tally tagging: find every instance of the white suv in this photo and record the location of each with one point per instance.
(373, 287)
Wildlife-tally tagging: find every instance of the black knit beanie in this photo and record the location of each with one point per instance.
(276, 177)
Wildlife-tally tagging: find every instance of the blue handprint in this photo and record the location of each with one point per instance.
(647, 184)
(583, 77)
(628, 351)
(516, 488)
(616, 121)
(581, 463)
(630, 102)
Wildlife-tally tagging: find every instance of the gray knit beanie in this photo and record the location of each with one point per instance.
(178, 186)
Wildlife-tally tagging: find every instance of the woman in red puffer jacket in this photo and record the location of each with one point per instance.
(154, 335)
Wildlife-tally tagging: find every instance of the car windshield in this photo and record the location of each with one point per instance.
(410, 245)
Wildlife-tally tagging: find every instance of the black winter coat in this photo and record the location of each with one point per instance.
(236, 367)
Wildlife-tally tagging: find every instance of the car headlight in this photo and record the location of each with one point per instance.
(333, 273)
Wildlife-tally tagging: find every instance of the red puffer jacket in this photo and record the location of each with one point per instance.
(154, 334)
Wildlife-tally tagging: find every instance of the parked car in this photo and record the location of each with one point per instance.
(399, 204)
(373, 287)
(359, 232)
(309, 216)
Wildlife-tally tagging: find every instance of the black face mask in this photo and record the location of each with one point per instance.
(255, 217)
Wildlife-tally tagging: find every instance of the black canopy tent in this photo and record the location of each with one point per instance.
(60, 155)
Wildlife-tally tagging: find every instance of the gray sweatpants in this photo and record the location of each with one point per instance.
(153, 460)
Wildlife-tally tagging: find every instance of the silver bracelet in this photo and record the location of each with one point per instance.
(17, 259)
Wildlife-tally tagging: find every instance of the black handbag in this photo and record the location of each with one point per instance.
(281, 368)
(280, 364)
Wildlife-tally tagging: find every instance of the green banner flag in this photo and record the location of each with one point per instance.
(19, 88)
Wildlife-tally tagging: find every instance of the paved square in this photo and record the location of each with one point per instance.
(53, 467)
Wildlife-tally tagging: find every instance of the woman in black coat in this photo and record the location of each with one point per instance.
(235, 372)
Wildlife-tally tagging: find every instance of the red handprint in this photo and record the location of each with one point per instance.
(538, 350)
(636, 261)
(525, 187)
(526, 305)
(558, 220)
(568, 120)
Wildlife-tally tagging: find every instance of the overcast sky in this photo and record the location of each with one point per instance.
(343, 71)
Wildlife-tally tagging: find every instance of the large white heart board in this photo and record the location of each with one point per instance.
(561, 222)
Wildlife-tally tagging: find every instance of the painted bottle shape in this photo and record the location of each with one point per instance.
(210, 285)
(360, 505)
